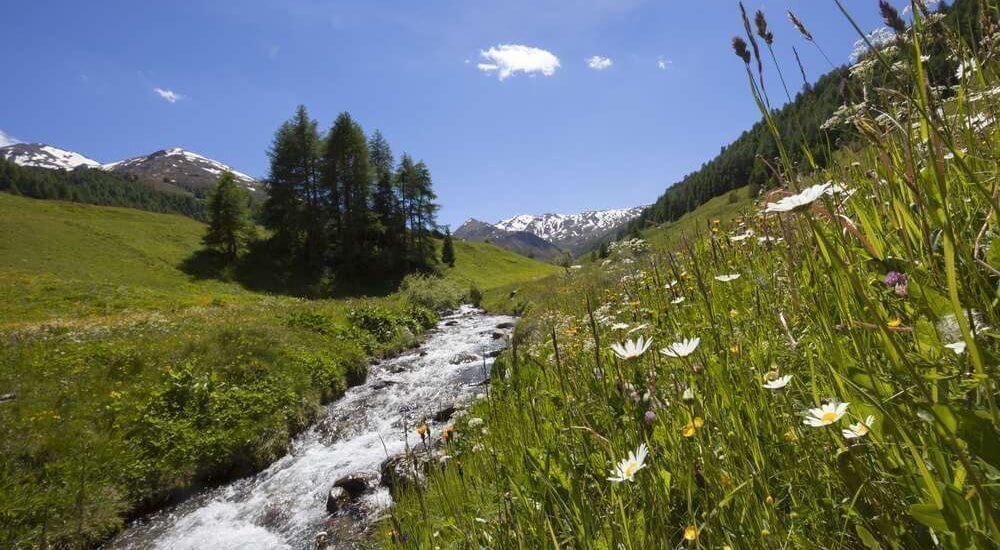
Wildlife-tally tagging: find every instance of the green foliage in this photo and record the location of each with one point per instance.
(337, 204)
(475, 295)
(433, 293)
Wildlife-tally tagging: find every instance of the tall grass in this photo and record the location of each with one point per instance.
(872, 283)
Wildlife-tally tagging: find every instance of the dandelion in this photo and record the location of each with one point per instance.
(627, 468)
(827, 414)
(681, 349)
(727, 278)
(422, 430)
(631, 349)
(778, 383)
(690, 533)
(860, 429)
(895, 322)
(802, 199)
(693, 426)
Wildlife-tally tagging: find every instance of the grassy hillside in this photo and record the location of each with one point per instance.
(133, 382)
(67, 260)
(489, 266)
(832, 387)
(698, 223)
(61, 260)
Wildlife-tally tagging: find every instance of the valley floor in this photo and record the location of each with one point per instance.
(128, 383)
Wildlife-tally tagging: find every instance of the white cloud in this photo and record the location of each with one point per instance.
(599, 63)
(507, 59)
(662, 63)
(169, 95)
(7, 139)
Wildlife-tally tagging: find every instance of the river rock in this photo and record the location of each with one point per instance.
(463, 358)
(355, 485)
(497, 335)
(445, 414)
(451, 323)
(505, 324)
(337, 500)
(405, 470)
(382, 384)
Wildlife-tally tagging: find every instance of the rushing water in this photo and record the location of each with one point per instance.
(285, 505)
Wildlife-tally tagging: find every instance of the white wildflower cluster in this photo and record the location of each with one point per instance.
(634, 247)
(845, 115)
(879, 38)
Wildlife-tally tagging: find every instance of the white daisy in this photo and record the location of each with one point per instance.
(626, 469)
(727, 278)
(860, 429)
(802, 199)
(630, 349)
(825, 415)
(619, 326)
(681, 349)
(957, 347)
(638, 328)
(677, 300)
(778, 383)
(742, 236)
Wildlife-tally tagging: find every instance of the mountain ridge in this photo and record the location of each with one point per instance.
(173, 168)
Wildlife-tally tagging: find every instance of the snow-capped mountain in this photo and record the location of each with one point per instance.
(190, 171)
(573, 232)
(40, 155)
(169, 169)
(519, 242)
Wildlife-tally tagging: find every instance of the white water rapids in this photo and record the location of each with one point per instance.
(284, 507)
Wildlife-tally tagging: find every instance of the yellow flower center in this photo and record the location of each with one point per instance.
(829, 417)
(690, 532)
(629, 469)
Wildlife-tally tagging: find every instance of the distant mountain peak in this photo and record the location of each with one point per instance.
(40, 155)
(574, 232)
(181, 167)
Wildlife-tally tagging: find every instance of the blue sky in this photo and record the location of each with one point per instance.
(83, 76)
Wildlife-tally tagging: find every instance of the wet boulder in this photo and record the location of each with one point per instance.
(445, 414)
(463, 357)
(337, 499)
(497, 335)
(505, 324)
(405, 470)
(450, 323)
(354, 485)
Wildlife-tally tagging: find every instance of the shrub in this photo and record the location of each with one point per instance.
(432, 293)
(475, 295)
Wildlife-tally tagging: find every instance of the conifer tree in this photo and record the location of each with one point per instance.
(294, 210)
(346, 179)
(448, 249)
(229, 226)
